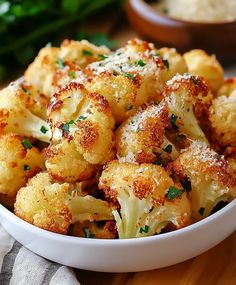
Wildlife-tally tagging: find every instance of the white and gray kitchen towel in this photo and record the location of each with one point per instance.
(19, 266)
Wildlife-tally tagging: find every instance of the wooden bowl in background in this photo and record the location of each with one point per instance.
(215, 38)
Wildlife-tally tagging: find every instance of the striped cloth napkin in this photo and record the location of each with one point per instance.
(19, 266)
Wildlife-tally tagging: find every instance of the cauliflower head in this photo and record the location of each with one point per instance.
(184, 94)
(202, 64)
(19, 113)
(86, 118)
(146, 199)
(127, 78)
(19, 161)
(211, 178)
(223, 114)
(65, 163)
(55, 206)
(82, 52)
(175, 61)
(141, 138)
(56, 67)
(40, 72)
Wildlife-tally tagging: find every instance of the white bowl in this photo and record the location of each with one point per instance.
(124, 255)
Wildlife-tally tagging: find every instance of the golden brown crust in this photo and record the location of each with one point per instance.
(195, 84)
(140, 138)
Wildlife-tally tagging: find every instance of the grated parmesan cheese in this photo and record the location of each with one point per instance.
(199, 10)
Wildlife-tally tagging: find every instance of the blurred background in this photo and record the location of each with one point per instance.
(26, 26)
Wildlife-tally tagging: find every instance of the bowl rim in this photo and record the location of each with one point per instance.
(118, 242)
(152, 15)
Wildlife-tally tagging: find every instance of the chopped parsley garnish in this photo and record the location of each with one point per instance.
(173, 119)
(87, 233)
(87, 52)
(186, 185)
(201, 211)
(168, 148)
(60, 63)
(144, 230)
(26, 144)
(43, 130)
(138, 129)
(180, 137)
(158, 162)
(72, 74)
(166, 62)
(26, 167)
(102, 56)
(81, 118)
(173, 192)
(128, 107)
(25, 90)
(66, 127)
(141, 63)
(129, 75)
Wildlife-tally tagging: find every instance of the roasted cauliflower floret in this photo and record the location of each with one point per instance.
(210, 176)
(19, 161)
(67, 73)
(65, 163)
(85, 118)
(54, 206)
(55, 67)
(141, 138)
(18, 113)
(131, 76)
(82, 52)
(186, 97)
(202, 64)
(84, 125)
(175, 61)
(146, 199)
(34, 100)
(40, 71)
(223, 114)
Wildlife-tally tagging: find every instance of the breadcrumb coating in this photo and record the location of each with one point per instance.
(211, 178)
(17, 163)
(223, 114)
(141, 195)
(129, 77)
(55, 206)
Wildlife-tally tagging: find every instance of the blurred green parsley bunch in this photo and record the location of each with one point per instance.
(27, 25)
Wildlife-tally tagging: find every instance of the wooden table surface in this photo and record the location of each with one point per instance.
(215, 267)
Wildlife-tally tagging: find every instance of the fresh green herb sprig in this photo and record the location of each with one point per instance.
(174, 192)
(41, 22)
(145, 229)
